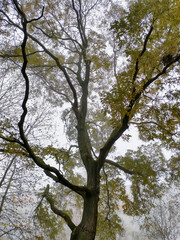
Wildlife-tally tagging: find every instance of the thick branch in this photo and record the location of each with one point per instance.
(36, 19)
(137, 95)
(83, 137)
(58, 212)
(81, 28)
(151, 80)
(142, 52)
(115, 135)
(85, 91)
(75, 105)
(48, 169)
(53, 172)
(23, 14)
(51, 175)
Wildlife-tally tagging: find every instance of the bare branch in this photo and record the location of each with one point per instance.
(23, 14)
(6, 171)
(19, 55)
(117, 165)
(108, 194)
(155, 123)
(36, 19)
(58, 212)
(6, 191)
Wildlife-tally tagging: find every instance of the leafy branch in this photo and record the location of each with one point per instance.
(117, 165)
(123, 125)
(142, 52)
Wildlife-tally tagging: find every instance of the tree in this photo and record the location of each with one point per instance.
(17, 194)
(61, 49)
(17, 199)
(163, 220)
(3, 179)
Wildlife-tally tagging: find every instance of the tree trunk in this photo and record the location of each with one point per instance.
(86, 230)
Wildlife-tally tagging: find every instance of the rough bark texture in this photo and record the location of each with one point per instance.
(87, 228)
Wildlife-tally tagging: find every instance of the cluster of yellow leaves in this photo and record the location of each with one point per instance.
(131, 31)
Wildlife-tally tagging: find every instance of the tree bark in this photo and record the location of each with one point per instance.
(86, 230)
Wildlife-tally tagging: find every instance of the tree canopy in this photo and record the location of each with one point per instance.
(98, 68)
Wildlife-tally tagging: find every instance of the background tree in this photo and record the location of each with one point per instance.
(64, 53)
(163, 220)
(19, 178)
(16, 199)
